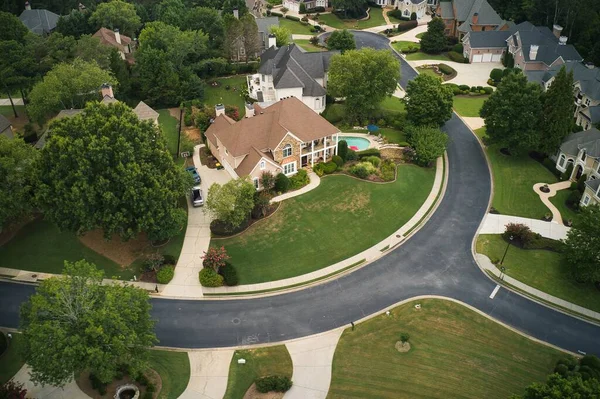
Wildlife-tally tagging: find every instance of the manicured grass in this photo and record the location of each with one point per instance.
(260, 362)
(455, 353)
(322, 227)
(541, 269)
(376, 19)
(393, 104)
(168, 125)
(174, 370)
(560, 202)
(428, 71)
(11, 361)
(393, 135)
(295, 27)
(220, 95)
(481, 133)
(420, 35)
(403, 46)
(308, 46)
(423, 56)
(468, 106)
(41, 247)
(514, 177)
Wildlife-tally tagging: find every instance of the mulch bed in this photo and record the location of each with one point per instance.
(121, 252)
(84, 383)
(207, 159)
(252, 393)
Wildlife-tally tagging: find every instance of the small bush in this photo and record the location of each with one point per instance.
(561, 369)
(573, 186)
(273, 383)
(457, 57)
(97, 384)
(369, 152)
(573, 199)
(230, 277)
(188, 120)
(567, 173)
(446, 69)
(403, 26)
(210, 278)
(375, 161)
(343, 149)
(351, 156)
(165, 274)
(464, 87)
(363, 169)
(404, 337)
(488, 90)
(520, 233)
(282, 183)
(299, 180)
(276, 14)
(329, 167)
(292, 18)
(496, 75)
(458, 48)
(581, 183)
(338, 160)
(387, 170)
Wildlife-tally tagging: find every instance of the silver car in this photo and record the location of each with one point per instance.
(197, 197)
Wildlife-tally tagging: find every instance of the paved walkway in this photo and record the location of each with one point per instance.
(6, 101)
(69, 391)
(411, 35)
(467, 74)
(208, 374)
(312, 358)
(474, 122)
(545, 197)
(495, 224)
(314, 183)
(302, 37)
(368, 255)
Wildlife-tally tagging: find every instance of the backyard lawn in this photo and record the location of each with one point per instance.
(540, 269)
(455, 353)
(376, 19)
(260, 362)
(295, 27)
(11, 361)
(320, 228)
(168, 124)
(560, 202)
(403, 46)
(468, 106)
(220, 94)
(424, 56)
(308, 46)
(393, 104)
(174, 370)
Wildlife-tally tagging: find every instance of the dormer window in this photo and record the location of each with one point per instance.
(583, 156)
(287, 151)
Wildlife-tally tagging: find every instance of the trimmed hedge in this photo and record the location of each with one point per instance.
(276, 14)
(338, 160)
(282, 183)
(299, 180)
(165, 274)
(403, 26)
(209, 278)
(457, 57)
(446, 69)
(369, 152)
(273, 383)
(292, 18)
(230, 277)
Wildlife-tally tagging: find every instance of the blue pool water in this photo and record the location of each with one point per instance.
(359, 142)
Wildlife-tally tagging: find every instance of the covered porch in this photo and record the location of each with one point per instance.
(320, 150)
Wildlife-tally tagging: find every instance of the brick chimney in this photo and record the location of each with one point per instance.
(249, 110)
(236, 13)
(563, 40)
(219, 110)
(106, 90)
(27, 5)
(117, 36)
(475, 19)
(533, 50)
(557, 29)
(81, 7)
(272, 41)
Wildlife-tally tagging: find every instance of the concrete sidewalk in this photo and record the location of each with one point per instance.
(467, 74)
(314, 183)
(209, 370)
(411, 35)
(69, 391)
(496, 224)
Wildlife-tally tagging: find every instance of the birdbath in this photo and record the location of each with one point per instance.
(545, 188)
(128, 391)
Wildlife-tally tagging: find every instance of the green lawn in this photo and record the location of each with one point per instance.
(174, 370)
(220, 95)
(393, 104)
(41, 247)
(468, 105)
(420, 35)
(376, 19)
(393, 135)
(540, 269)
(338, 219)
(423, 56)
(11, 361)
(308, 46)
(514, 177)
(403, 46)
(168, 124)
(260, 362)
(481, 133)
(295, 27)
(428, 71)
(560, 202)
(455, 353)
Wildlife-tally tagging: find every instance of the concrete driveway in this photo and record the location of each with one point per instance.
(467, 74)
(411, 35)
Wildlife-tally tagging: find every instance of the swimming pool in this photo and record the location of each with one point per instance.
(358, 142)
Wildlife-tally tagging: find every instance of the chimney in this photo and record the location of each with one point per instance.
(106, 90)
(533, 51)
(557, 29)
(475, 18)
(117, 36)
(236, 13)
(272, 42)
(249, 110)
(27, 5)
(563, 40)
(219, 110)
(81, 7)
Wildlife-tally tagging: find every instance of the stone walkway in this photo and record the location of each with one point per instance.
(312, 358)
(209, 370)
(69, 391)
(545, 197)
(496, 224)
(314, 183)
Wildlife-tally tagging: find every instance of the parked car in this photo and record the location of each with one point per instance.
(197, 197)
(194, 172)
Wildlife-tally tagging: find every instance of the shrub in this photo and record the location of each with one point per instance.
(314, 40)
(338, 160)
(262, 204)
(153, 262)
(403, 26)
(369, 152)
(334, 113)
(169, 260)
(404, 337)
(488, 90)
(165, 274)
(519, 232)
(292, 18)
(508, 60)
(464, 87)
(351, 156)
(343, 149)
(316, 9)
(273, 383)
(551, 166)
(29, 133)
(581, 183)
(210, 278)
(282, 183)
(215, 258)
(458, 48)
(329, 167)
(446, 69)
(363, 169)
(188, 120)
(388, 170)
(375, 161)
(413, 16)
(302, 9)
(230, 277)
(573, 199)
(299, 180)
(496, 75)
(456, 57)
(567, 173)
(276, 14)
(97, 384)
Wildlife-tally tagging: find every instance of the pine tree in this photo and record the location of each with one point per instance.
(558, 109)
(434, 40)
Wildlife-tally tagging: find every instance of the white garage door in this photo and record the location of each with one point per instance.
(496, 57)
(487, 57)
(476, 57)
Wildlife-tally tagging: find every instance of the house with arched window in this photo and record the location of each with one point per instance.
(581, 151)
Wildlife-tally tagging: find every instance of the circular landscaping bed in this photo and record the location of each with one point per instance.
(443, 71)
(149, 385)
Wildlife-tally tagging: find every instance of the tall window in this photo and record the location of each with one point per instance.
(255, 181)
(586, 200)
(287, 151)
(289, 168)
(561, 161)
(583, 156)
(263, 165)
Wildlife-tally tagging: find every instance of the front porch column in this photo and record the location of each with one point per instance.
(312, 153)
(337, 142)
(324, 149)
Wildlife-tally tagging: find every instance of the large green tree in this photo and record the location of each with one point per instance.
(207, 20)
(365, 78)
(67, 86)
(73, 323)
(558, 387)
(350, 8)
(18, 68)
(116, 14)
(12, 27)
(171, 12)
(434, 40)
(104, 168)
(282, 35)
(428, 142)
(17, 178)
(428, 101)
(582, 246)
(229, 5)
(75, 24)
(512, 113)
(342, 40)
(231, 202)
(558, 109)
(90, 49)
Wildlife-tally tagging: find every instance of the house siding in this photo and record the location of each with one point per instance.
(278, 153)
(256, 173)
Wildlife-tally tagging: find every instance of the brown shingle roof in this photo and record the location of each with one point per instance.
(107, 37)
(144, 112)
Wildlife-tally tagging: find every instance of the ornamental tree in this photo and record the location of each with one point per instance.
(215, 258)
(428, 101)
(434, 40)
(582, 246)
(104, 168)
(341, 40)
(557, 112)
(231, 202)
(429, 144)
(282, 34)
(73, 323)
(116, 14)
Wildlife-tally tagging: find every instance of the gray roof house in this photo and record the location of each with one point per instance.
(41, 22)
(289, 71)
(6, 127)
(264, 26)
(463, 16)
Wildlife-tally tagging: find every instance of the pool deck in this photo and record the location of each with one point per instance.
(373, 143)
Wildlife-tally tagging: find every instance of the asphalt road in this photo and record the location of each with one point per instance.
(437, 260)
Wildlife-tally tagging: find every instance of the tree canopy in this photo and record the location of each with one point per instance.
(365, 78)
(428, 101)
(434, 40)
(341, 40)
(282, 35)
(171, 12)
(428, 142)
(582, 246)
(73, 324)
(12, 27)
(75, 24)
(558, 387)
(116, 14)
(557, 112)
(231, 202)
(207, 20)
(104, 168)
(351, 8)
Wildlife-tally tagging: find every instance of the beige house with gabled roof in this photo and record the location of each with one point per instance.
(281, 138)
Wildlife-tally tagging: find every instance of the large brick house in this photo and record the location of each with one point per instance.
(281, 138)
(463, 16)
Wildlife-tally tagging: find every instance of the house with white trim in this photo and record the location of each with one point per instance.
(281, 138)
(294, 5)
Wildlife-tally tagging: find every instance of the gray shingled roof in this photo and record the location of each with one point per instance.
(465, 9)
(595, 114)
(549, 49)
(593, 184)
(4, 123)
(589, 139)
(39, 21)
(589, 79)
(446, 10)
(265, 23)
(488, 39)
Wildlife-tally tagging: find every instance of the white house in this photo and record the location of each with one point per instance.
(407, 7)
(294, 5)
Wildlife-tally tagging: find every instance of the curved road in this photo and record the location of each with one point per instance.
(436, 260)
